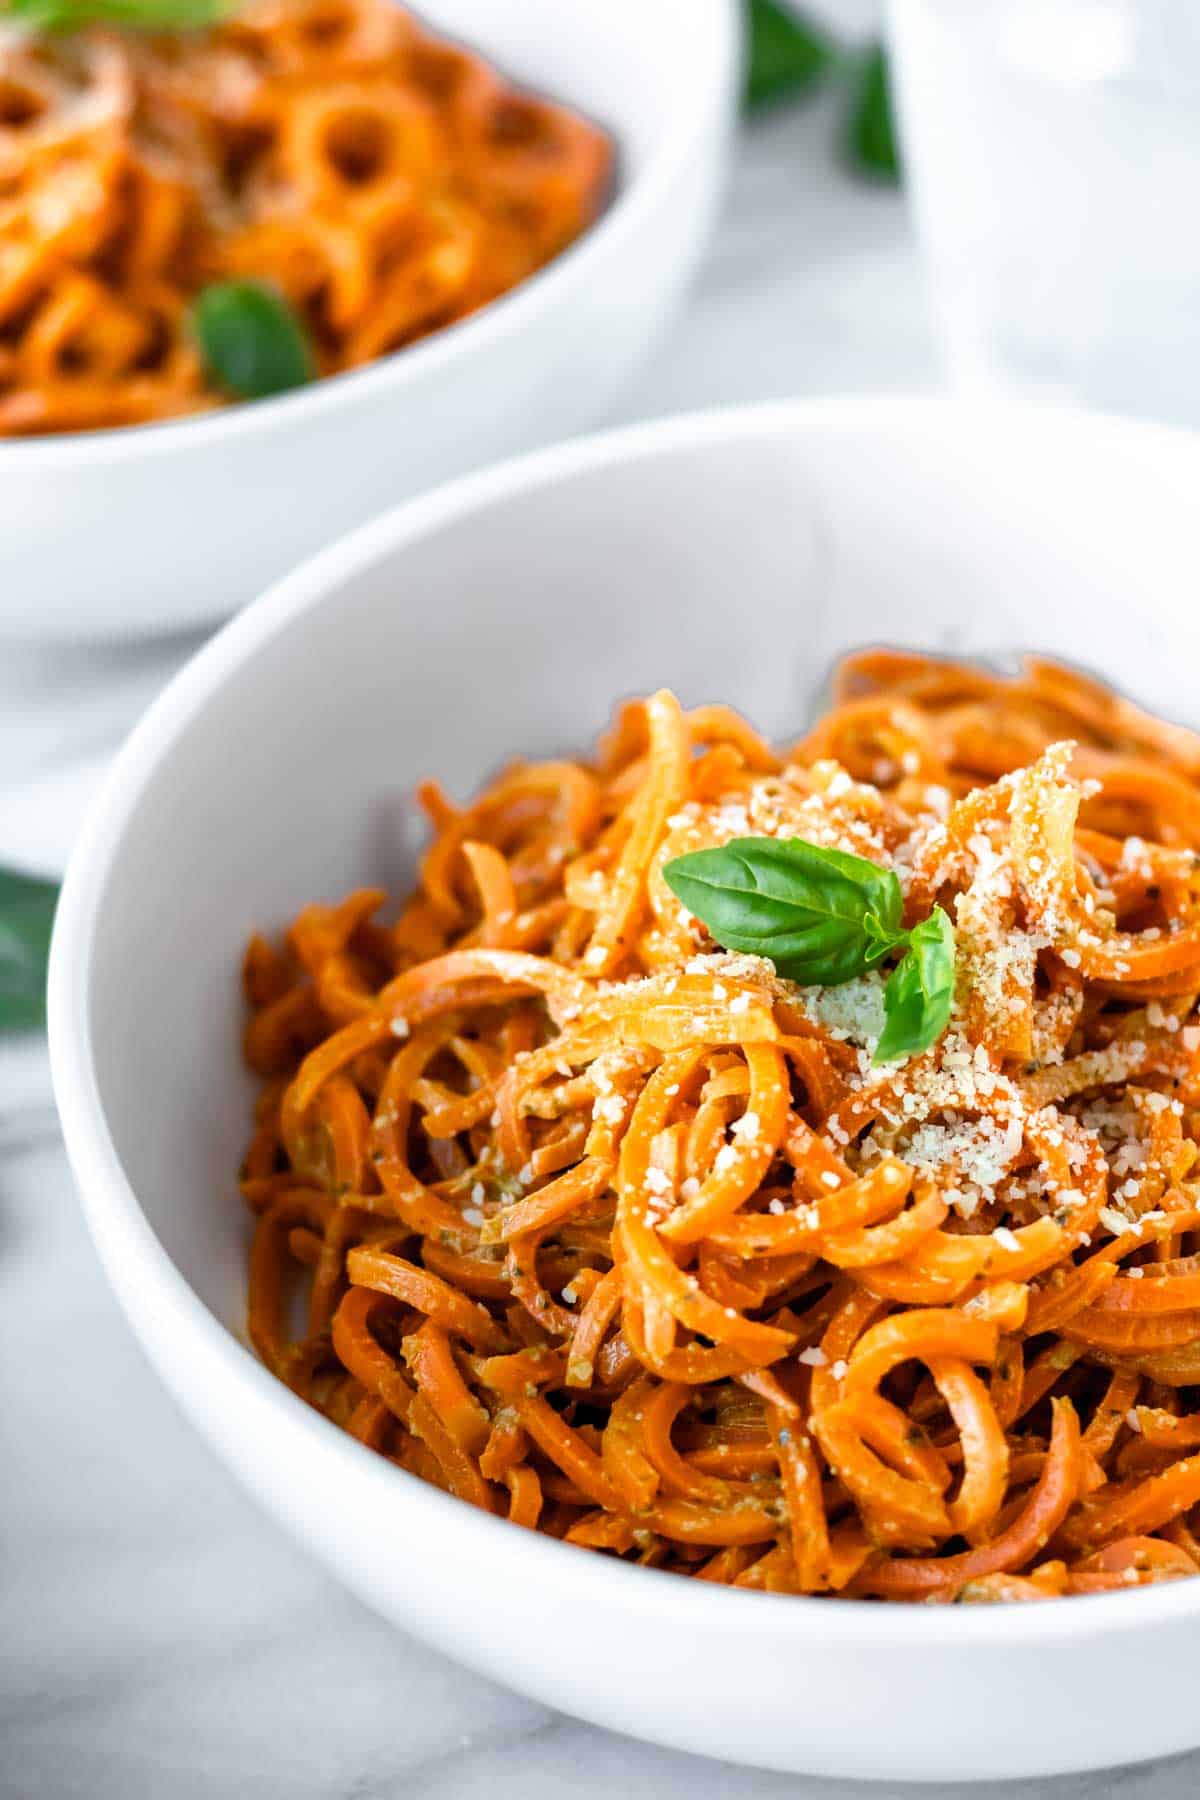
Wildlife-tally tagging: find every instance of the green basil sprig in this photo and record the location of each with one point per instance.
(871, 140)
(124, 15)
(252, 342)
(920, 991)
(26, 916)
(785, 54)
(823, 916)
(790, 56)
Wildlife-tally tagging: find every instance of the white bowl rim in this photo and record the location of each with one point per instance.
(133, 1254)
(501, 317)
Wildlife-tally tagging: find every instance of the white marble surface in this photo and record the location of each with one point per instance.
(160, 1638)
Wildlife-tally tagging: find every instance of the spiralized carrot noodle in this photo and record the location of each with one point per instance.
(387, 180)
(624, 1238)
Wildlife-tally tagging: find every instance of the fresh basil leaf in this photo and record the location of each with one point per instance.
(883, 938)
(251, 341)
(871, 130)
(26, 916)
(802, 905)
(786, 55)
(128, 15)
(920, 991)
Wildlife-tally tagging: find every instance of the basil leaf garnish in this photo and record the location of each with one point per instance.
(920, 991)
(823, 916)
(251, 341)
(803, 905)
(883, 937)
(124, 15)
(26, 917)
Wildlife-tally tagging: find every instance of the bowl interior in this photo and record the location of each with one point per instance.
(732, 559)
(630, 67)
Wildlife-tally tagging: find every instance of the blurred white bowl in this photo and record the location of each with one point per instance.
(731, 556)
(154, 528)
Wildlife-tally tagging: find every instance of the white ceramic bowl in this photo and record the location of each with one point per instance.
(732, 556)
(152, 529)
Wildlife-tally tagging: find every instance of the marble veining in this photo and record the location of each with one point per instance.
(161, 1640)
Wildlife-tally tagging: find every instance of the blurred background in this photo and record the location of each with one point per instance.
(811, 283)
(990, 195)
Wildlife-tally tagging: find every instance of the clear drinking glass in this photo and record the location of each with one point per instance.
(1052, 152)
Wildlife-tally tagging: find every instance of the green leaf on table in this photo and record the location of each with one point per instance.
(786, 55)
(871, 128)
(26, 917)
(822, 916)
(124, 15)
(920, 991)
